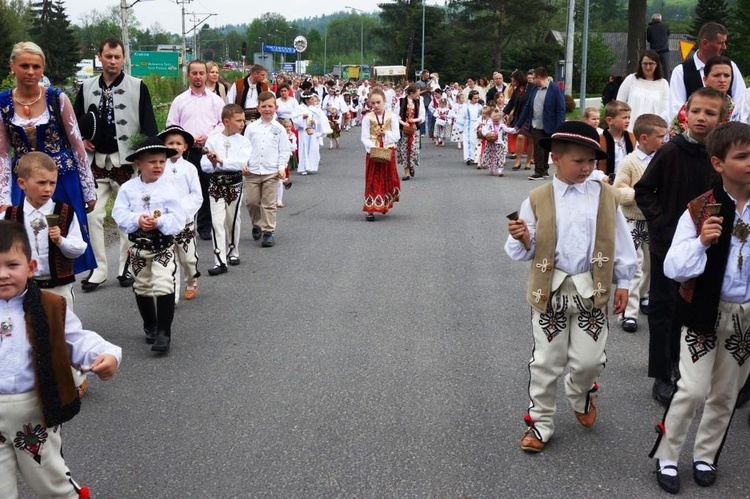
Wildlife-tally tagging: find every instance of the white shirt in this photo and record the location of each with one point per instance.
(72, 246)
(644, 96)
(269, 147)
(687, 259)
(233, 151)
(576, 208)
(286, 110)
(137, 198)
(251, 100)
(678, 94)
(185, 178)
(16, 370)
(645, 158)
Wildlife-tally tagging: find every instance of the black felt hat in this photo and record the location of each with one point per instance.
(576, 132)
(88, 125)
(150, 145)
(171, 129)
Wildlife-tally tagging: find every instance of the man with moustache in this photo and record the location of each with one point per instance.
(198, 111)
(119, 106)
(245, 91)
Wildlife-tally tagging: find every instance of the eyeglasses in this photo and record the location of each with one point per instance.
(648, 64)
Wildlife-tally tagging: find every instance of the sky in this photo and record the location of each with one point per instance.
(167, 12)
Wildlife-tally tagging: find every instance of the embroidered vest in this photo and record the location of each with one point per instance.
(60, 267)
(126, 99)
(48, 138)
(242, 87)
(699, 297)
(55, 387)
(387, 117)
(543, 265)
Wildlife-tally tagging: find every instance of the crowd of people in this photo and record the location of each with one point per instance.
(609, 229)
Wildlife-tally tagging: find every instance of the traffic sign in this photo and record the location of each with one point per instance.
(279, 49)
(145, 63)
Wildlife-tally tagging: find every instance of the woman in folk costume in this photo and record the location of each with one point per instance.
(311, 125)
(380, 129)
(411, 114)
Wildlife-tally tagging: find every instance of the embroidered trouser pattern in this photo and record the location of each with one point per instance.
(225, 217)
(713, 369)
(570, 333)
(154, 271)
(31, 449)
(641, 281)
(187, 253)
(108, 181)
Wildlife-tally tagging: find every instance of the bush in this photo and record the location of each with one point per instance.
(570, 104)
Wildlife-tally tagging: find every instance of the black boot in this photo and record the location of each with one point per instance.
(165, 308)
(147, 308)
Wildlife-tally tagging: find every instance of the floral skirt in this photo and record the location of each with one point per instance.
(382, 185)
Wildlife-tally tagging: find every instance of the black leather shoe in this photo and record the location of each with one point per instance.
(370, 217)
(668, 483)
(644, 306)
(88, 286)
(411, 172)
(161, 344)
(406, 177)
(704, 478)
(233, 260)
(219, 269)
(268, 240)
(662, 391)
(126, 280)
(256, 232)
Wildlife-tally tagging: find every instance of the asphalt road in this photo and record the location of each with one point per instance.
(364, 360)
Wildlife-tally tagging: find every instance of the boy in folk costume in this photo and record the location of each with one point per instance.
(40, 340)
(380, 129)
(578, 241)
(228, 153)
(52, 226)
(709, 259)
(411, 115)
(185, 178)
(149, 210)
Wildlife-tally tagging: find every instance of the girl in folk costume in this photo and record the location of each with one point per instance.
(456, 119)
(496, 147)
(411, 114)
(470, 122)
(380, 129)
(292, 165)
(481, 141)
(334, 107)
(442, 123)
(311, 126)
(348, 114)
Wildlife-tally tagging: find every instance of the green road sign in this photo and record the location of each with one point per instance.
(161, 63)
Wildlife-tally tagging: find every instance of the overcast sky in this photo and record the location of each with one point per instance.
(167, 12)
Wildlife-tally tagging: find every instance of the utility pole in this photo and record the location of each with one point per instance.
(184, 46)
(197, 22)
(124, 7)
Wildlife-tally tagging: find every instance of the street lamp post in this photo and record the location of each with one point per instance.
(361, 35)
(423, 12)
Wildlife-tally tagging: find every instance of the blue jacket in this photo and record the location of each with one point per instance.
(553, 113)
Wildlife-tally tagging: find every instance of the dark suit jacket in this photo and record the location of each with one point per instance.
(553, 112)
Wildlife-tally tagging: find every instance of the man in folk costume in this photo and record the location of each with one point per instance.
(120, 107)
(245, 92)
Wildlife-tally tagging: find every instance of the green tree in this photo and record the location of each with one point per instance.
(709, 10)
(740, 35)
(600, 59)
(93, 28)
(14, 14)
(52, 32)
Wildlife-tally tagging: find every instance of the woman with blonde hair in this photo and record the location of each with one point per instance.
(214, 82)
(42, 119)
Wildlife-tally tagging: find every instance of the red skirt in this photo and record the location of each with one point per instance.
(382, 185)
